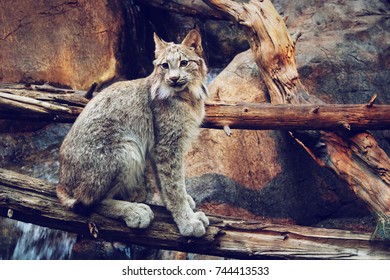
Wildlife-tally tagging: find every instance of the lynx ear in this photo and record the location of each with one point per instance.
(160, 44)
(193, 40)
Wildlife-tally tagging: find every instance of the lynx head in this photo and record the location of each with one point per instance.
(179, 68)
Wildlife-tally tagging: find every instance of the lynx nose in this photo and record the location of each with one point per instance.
(174, 78)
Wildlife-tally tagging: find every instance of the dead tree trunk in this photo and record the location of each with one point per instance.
(356, 157)
(59, 105)
(32, 200)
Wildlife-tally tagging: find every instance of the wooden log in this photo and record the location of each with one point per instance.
(22, 104)
(292, 117)
(274, 52)
(193, 8)
(40, 103)
(32, 200)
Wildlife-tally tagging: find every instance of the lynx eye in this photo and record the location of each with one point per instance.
(165, 66)
(184, 63)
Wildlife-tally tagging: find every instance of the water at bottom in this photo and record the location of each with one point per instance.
(40, 243)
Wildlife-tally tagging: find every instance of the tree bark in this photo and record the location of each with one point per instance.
(64, 106)
(32, 200)
(349, 155)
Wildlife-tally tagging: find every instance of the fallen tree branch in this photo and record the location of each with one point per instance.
(32, 200)
(35, 104)
(297, 117)
(193, 8)
(48, 103)
(348, 155)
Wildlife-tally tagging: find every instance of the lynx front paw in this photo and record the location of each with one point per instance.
(138, 216)
(195, 226)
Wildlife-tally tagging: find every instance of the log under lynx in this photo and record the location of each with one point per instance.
(131, 123)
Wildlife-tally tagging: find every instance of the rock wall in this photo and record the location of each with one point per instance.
(72, 43)
(343, 54)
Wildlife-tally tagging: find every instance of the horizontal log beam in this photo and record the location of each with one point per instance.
(32, 200)
(298, 117)
(39, 105)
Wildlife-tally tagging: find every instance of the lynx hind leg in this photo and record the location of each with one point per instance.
(131, 183)
(130, 188)
(135, 215)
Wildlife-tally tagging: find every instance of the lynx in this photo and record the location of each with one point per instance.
(131, 123)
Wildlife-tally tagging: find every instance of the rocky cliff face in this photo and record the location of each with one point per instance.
(343, 56)
(72, 43)
(343, 52)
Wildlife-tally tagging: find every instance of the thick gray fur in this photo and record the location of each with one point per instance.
(131, 123)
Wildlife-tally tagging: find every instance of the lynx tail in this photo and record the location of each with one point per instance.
(71, 203)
